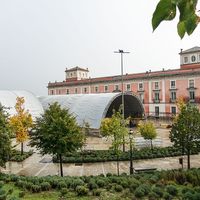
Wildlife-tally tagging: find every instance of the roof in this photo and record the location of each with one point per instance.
(8, 100)
(138, 76)
(76, 68)
(191, 50)
(91, 108)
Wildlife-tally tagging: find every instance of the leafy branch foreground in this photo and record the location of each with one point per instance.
(110, 155)
(172, 184)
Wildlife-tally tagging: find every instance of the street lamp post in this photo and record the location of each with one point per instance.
(122, 87)
(131, 151)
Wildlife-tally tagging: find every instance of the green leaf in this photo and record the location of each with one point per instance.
(181, 29)
(191, 24)
(165, 10)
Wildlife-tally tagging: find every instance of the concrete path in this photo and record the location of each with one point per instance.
(38, 165)
(35, 166)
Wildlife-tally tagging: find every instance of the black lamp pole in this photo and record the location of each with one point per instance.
(131, 151)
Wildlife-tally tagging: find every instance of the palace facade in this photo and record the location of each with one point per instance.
(157, 90)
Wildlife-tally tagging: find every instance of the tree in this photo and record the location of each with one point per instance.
(5, 132)
(56, 132)
(185, 132)
(188, 18)
(147, 131)
(114, 128)
(21, 122)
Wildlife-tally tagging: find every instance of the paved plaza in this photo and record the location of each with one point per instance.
(38, 165)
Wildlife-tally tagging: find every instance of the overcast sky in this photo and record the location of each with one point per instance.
(40, 38)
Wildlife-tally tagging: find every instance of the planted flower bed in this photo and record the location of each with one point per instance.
(166, 185)
(109, 155)
(17, 157)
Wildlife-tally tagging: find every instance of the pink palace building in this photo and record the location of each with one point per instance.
(157, 90)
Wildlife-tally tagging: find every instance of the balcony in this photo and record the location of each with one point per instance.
(172, 100)
(156, 100)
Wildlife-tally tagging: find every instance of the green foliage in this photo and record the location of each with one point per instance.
(57, 132)
(5, 132)
(82, 190)
(185, 130)
(188, 18)
(109, 155)
(18, 157)
(114, 127)
(171, 189)
(147, 131)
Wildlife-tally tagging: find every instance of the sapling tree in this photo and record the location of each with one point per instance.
(115, 129)
(56, 132)
(21, 122)
(5, 132)
(147, 131)
(185, 132)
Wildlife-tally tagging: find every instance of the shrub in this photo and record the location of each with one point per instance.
(21, 194)
(158, 191)
(10, 191)
(82, 190)
(100, 182)
(14, 198)
(2, 194)
(188, 196)
(92, 185)
(118, 188)
(1, 184)
(153, 196)
(167, 196)
(45, 186)
(35, 188)
(97, 192)
(64, 191)
(77, 182)
(171, 189)
(61, 185)
(139, 192)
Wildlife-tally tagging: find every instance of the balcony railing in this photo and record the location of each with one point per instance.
(172, 100)
(156, 100)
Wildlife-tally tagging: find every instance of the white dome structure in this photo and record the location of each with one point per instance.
(32, 104)
(92, 108)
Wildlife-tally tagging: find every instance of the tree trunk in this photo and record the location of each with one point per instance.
(188, 158)
(123, 145)
(151, 145)
(61, 167)
(117, 164)
(22, 148)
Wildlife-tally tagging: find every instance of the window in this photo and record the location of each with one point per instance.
(96, 89)
(185, 59)
(173, 96)
(76, 90)
(157, 96)
(85, 90)
(191, 83)
(141, 97)
(193, 58)
(52, 92)
(192, 95)
(67, 91)
(59, 92)
(156, 86)
(71, 74)
(140, 86)
(128, 87)
(172, 84)
(157, 111)
(106, 88)
(173, 110)
(116, 87)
